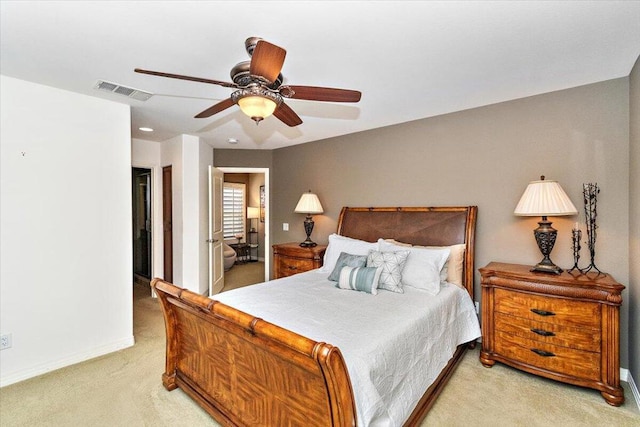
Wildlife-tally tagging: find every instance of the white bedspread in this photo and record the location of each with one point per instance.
(394, 345)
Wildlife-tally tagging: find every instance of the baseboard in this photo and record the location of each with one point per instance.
(67, 361)
(625, 376)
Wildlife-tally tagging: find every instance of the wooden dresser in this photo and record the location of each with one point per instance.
(291, 258)
(564, 327)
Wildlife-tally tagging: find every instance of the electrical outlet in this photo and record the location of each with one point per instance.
(285, 226)
(5, 341)
(477, 307)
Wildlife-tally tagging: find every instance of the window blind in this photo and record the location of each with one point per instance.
(233, 210)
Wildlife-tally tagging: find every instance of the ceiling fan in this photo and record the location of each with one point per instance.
(259, 90)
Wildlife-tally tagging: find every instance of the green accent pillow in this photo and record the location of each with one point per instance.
(347, 260)
(363, 279)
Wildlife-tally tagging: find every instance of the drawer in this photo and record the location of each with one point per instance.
(560, 360)
(290, 266)
(566, 336)
(547, 309)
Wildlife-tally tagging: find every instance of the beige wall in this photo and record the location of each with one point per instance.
(484, 157)
(634, 226)
(242, 158)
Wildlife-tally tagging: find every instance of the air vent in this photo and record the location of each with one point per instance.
(129, 92)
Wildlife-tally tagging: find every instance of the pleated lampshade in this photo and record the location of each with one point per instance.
(544, 198)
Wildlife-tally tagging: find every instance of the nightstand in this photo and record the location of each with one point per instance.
(291, 258)
(565, 327)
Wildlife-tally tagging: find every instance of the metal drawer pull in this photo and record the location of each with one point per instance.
(543, 332)
(293, 267)
(542, 352)
(543, 312)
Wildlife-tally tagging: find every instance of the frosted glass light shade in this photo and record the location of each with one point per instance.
(257, 106)
(253, 213)
(309, 204)
(544, 198)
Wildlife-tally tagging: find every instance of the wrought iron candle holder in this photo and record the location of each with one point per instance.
(576, 236)
(590, 193)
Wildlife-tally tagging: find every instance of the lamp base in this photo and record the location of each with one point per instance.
(308, 228)
(546, 238)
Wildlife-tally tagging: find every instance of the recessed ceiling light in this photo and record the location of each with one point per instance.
(143, 129)
(232, 141)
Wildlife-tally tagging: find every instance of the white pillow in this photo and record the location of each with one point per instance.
(423, 266)
(453, 268)
(445, 268)
(455, 263)
(339, 244)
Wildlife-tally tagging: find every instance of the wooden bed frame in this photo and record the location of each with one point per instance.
(245, 371)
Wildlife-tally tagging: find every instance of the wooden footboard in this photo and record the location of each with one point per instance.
(245, 371)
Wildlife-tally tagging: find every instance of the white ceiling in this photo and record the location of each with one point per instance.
(410, 59)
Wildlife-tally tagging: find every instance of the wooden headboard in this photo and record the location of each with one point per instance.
(424, 226)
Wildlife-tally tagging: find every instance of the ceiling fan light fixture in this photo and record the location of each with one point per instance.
(257, 107)
(258, 82)
(256, 102)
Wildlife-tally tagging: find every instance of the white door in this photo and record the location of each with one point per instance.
(216, 256)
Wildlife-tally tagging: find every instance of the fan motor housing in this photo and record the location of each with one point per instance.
(250, 44)
(241, 75)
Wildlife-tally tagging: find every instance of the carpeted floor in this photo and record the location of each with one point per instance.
(241, 275)
(125, 389)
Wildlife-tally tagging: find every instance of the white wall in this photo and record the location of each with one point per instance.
(66, 256)
(191, 213)
(197, 156)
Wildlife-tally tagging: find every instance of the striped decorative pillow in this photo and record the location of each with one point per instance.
(364, 279)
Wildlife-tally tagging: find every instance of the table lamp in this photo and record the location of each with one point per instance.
(253, 213)
(308, 204)
(545, 198)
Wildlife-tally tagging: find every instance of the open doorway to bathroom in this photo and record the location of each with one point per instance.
(251, 240)
(141, 202)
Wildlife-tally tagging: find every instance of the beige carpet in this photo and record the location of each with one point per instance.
(125, 389)
(241, 275)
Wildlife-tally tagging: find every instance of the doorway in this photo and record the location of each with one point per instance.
(257, 236)
(142, 241)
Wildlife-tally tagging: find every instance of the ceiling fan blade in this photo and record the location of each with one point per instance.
(267, 60)
(181, 77)
(287, 115)
(314, 93)
(220, 106)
